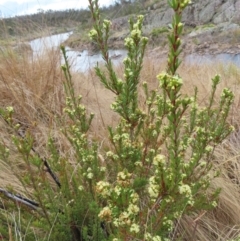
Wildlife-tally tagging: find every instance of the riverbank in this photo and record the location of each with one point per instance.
(211, 27)
(202, 40)
(206, 41)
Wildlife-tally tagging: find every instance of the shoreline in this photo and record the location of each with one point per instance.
(218, 39)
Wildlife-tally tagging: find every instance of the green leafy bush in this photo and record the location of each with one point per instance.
(158, 164)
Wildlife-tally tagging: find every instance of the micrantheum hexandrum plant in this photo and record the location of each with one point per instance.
(161, 154)
(158, 166)
(62, 186)
(64, 189)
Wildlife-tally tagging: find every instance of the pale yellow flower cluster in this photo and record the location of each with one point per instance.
(128, 43)
(122, 217)
(9, 109)
(185, 190)
(127, 218)
(124, 179)
(136, 34)
(105, 214)
(106, 24)
(153, 188)
(103, 188)
(93, 34)
(134, 228)
(150, 237)
(159, 163)
(159, 160)
(71, 110)
(169, 82)
(184, 3)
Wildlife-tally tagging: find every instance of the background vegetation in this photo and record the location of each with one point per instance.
(63, 20)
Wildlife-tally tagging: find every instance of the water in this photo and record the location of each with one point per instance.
(80, 61)
(83, 61)
(39, 45)
(224, 58)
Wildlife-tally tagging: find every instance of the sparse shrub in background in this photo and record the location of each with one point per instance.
(236, 36)
(205, 26)
(158, 31)
(196, 41)
(158, 164)
(158, 36)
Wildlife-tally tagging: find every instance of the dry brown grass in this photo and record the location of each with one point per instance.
(224, 222)
(34, 88)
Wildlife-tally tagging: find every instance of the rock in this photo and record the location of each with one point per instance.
(199, 13)
(115, 56)
(236, 17)
(217, 11)
(231, 26)
(167, 17)
(214, 25)
(225, 12)
(207, 13)
(201, 31)
(119, 23)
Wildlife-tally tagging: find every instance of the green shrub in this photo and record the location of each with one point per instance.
(206, 26)
(156, 169)
(158, 31)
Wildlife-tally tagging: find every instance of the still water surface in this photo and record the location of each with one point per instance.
(223, 58)
(83, 61)
(80, 61)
